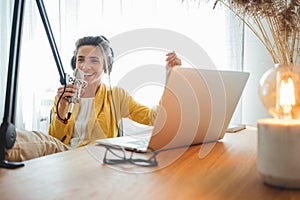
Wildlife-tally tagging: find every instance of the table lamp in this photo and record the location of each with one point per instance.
(279, 137)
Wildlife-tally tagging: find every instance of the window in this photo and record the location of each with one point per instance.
(71, 19)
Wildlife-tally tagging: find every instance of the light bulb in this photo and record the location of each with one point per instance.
(279, 91)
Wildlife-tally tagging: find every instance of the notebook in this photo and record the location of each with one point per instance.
(196, 107)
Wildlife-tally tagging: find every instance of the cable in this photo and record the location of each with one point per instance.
(65, 120)
(120, 130)
(109, 54)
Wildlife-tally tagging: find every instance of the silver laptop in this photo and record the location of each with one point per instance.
(196, 107)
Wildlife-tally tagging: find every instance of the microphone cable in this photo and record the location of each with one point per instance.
(64, 120)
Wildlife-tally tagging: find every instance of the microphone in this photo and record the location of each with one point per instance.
(77, 80)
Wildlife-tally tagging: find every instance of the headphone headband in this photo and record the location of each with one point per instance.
(103, 44)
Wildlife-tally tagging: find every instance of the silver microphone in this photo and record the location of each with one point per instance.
(77, 80)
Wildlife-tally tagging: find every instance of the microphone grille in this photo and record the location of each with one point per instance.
(78, 74)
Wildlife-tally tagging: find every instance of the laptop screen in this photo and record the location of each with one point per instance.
(197, 106)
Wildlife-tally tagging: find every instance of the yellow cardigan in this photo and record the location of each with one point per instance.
(102, 123)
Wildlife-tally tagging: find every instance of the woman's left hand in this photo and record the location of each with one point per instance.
(172, 60)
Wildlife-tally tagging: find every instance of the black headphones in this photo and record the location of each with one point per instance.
(104, 45)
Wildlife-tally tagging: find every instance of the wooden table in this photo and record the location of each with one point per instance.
(229, 171)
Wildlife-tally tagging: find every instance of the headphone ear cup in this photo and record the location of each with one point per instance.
(73, 62)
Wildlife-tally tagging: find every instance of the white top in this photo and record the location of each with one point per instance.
(81, 121)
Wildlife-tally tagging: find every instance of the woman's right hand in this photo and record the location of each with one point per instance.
(64, 102)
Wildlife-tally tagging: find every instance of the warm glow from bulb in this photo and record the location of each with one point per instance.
(287, 95)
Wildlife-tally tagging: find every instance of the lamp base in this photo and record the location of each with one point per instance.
(279, 182)
(278, 152)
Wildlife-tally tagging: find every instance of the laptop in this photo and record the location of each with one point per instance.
(196, 107)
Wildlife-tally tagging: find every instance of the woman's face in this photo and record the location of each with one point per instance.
(89, 59)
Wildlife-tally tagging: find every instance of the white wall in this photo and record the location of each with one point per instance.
(256, 61)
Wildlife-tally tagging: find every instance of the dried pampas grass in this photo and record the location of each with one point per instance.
(276, 23)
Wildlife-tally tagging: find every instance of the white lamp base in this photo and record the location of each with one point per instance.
(281, 182)
(279, 152)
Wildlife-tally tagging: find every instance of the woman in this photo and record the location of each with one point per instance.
(98, 113)
(101, 108)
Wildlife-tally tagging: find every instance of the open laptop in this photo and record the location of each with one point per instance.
(196, 107)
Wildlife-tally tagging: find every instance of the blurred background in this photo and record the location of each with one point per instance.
(221, 35)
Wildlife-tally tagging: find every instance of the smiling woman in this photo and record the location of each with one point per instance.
(70, 20)
(96, 114)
